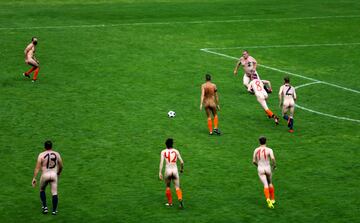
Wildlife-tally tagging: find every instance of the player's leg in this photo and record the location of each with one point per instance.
(270, 114)
(291, 119)
(246, 80)
(34, 65)
(178, 190)
(168, 178)
(271, 186)
(209, 121)
(264, 180)
(54, 193)
(216, 120)
(43, 183)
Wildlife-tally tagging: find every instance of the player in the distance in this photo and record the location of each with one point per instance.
(51, 165)
(210, 100)
(171, 155)
(287, 98)
(249, 65)
(257, 86)
(264, 160)
(31, 60)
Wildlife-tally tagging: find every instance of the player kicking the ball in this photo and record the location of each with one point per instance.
(264, 160)
(31, 60)
(51, 166)
(171, 171)
(210, 100)
(257, 86)
(287, 92)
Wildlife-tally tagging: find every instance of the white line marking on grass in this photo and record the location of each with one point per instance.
(284, 46)
(182, 22)
(314, 81)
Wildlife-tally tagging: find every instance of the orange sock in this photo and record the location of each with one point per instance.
(216, 121)
(29, 71)
(272, 192)
(266, 192)
(269, 113)
(179, 193)
(36, 73)
(168, 195)
(210, 124)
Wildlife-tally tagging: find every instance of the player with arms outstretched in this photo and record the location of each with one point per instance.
(171, 155)
(287, 98)
(210, 100)
(51, 165)
(264, 160)
(257, 86)
(31, 60)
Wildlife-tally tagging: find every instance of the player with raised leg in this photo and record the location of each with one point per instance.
(264, 160)
(287, 98)
(31, 60)
(51, 165)
(171, 155)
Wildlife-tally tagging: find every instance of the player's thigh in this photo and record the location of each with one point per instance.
(246, 79)
(263, 179)
(54, 183)
(44, 181)
(32, 62)
(208, 111)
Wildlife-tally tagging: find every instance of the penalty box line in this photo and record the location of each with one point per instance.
(313, 81)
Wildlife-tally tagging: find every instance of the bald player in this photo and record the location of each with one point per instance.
(210, 100)
(287, 98)
(51, 166)
(257, 86)
(31, 60)
(264, 160)
(249, 65)
(171, 155)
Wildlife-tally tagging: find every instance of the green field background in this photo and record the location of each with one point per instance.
(104, 92)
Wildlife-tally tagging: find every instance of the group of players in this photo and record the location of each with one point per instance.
(51, 165)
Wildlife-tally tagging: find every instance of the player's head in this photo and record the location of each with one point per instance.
(262, 140)
(207, 77)
(169, 143)
(286, 80)
(48, 145)
(34, 40)
(245, 54)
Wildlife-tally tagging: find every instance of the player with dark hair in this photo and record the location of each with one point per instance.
(210, 100)
(264, 160)
(170, 155)
(287, 98)
(51, 165)
(31, 60)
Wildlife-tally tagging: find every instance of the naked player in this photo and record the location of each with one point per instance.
(51, 166)
(249, 65)
(210, 100)
(170, 155)
(257, 86)
(31, 60)
(287, 98)
(264, 160)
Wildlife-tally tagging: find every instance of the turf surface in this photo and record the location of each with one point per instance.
(110, 72)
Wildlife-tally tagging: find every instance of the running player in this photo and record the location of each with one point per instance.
(210, 100)
(287, 98)
(257, 86)
(171, 171)
(264, 160)
(31, 60)
(51, 166)
(249, 65)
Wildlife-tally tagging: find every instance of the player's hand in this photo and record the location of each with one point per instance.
(160, 176)
(33, 182)
(182, 171)
(274, 167)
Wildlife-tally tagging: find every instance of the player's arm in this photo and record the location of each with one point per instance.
(27, 49)
(61, 165)
(161, 165)
(181, 162)
(254, 67)
(237, 67)
(254, 160)
(273, 161)
(202, 96)
(280, 96)
(36, 171)
(294, 95)
(217, 99)
(249, 89)
(267, 82)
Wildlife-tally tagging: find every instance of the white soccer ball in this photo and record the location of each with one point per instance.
(171, 114)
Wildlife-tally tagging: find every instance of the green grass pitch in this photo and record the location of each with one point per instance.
(110, 72)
